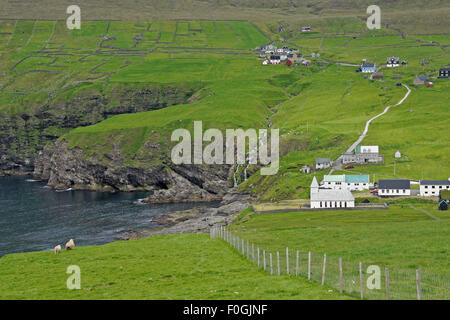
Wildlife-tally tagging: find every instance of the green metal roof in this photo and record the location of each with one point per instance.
(334, 178)
(357, 178)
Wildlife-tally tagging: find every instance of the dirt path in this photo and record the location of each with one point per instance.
(366, 129)
(424, 211)
(338, 163)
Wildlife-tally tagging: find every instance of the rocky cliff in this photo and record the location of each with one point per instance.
(24, 135)
(64, 168)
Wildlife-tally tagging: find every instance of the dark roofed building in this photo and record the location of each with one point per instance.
(394, 187)
(444, 72)
(432, 188)
(418, 80)
(367, 67)
(323, 163)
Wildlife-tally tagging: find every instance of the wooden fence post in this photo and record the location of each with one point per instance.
(341, 276)
(258, 255)
(419, 285)
(361, 280)
(297, 264)
(253, 252)
(287, 260)
(278, 262)
(324, 268)
(388, 289)
(243, 248)
(264, 259)
(309, 265)
(271, 266)
(248, 251)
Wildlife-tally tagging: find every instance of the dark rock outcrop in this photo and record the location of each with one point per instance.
(23, 136)
(71, 168)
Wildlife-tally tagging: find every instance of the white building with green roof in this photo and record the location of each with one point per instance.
(321, 198)
(351, 182)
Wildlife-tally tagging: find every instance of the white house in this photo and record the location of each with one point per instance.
(392, 62)
(432, 188)
(352, 182)
(397, 154)
(363, 154)
(330, 198)
(323, 163)
(367, 149)
(394, 187)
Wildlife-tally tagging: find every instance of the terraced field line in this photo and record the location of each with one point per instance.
(12, 34)
(366, 129)
(31, 36)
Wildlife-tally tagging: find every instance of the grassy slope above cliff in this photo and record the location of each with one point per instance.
(160, 267)
(320, 110)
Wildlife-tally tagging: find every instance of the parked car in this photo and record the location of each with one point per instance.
(399, 84)
(374, 191)
(349, 166)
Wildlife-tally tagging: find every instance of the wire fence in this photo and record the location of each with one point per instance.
(354, 279)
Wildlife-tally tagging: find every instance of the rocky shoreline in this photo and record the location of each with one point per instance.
(198, 219)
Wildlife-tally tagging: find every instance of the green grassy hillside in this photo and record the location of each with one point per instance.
(160, 267)
(399, 238)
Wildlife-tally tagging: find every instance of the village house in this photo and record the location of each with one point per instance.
(323, 163)
(394, 187)
(307, 169)
(268, 48)
(345, 181)
(362, 155)
(297, 57)
(432, 188)
(418, 80)
(330, 198)
(378, 75)
(444, 72)
(306, 63)
(393, 62)
(398, 154)
(367, 67)
(275, 60)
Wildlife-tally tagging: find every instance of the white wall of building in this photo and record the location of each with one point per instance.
(351, 186)
(332, 204)
(432, 190)
(394, 192)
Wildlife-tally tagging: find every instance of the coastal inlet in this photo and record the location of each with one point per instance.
(35, 217)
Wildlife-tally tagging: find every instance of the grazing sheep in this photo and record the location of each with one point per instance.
(57, 249)
(70, 245)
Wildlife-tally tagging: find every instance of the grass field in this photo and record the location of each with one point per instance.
(398, 238)
(161, 267)
(320, 111)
